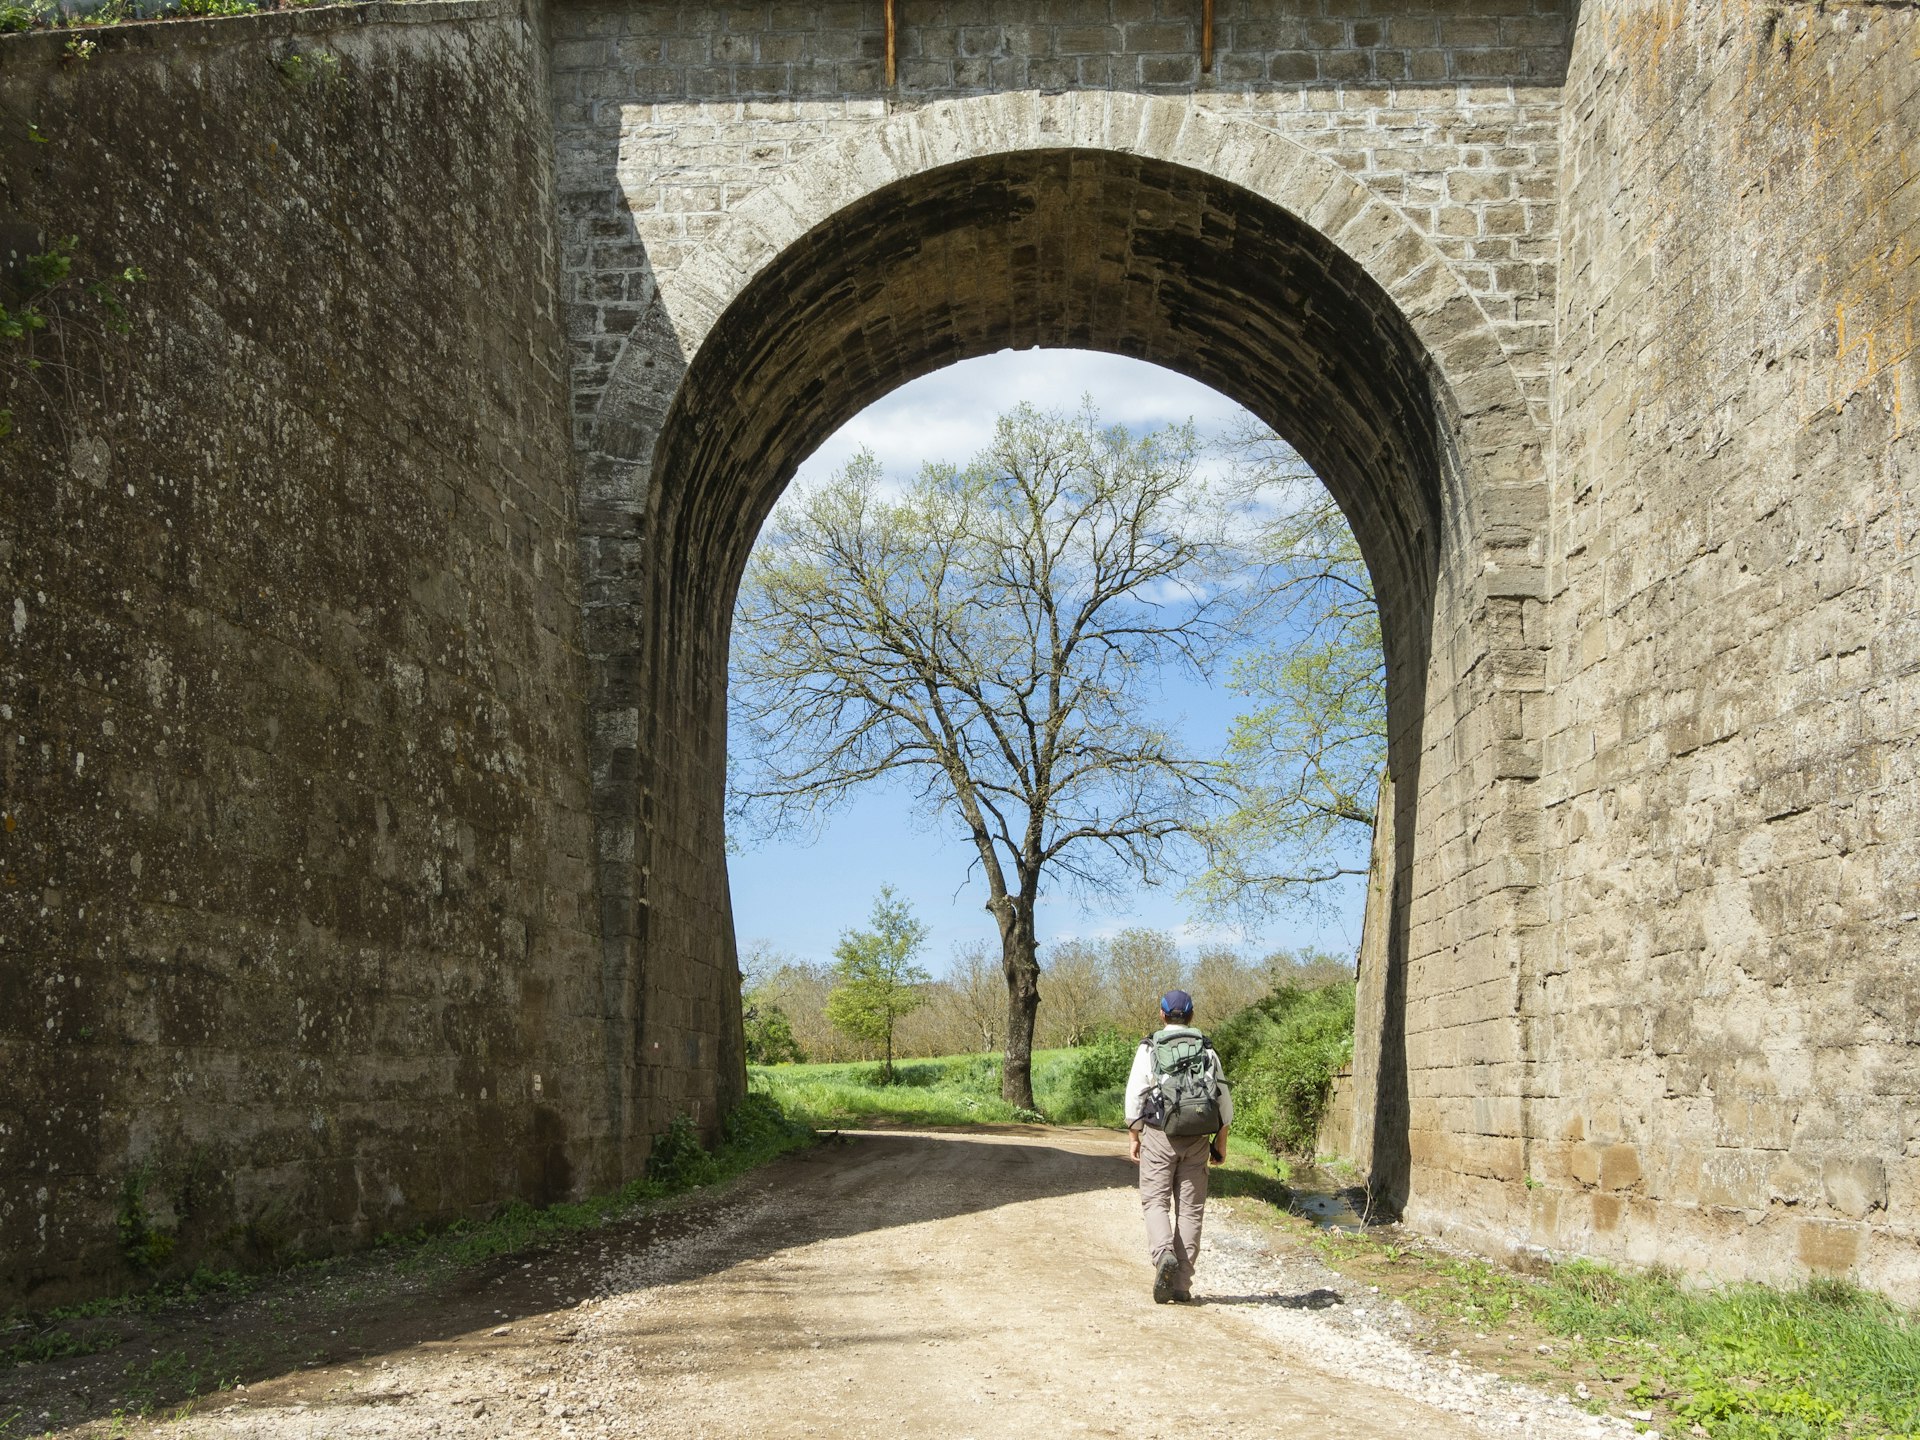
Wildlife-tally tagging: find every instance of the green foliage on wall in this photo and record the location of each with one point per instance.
(49, 309)
(146, 1245)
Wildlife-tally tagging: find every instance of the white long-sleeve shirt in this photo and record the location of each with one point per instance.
(1140, 1082)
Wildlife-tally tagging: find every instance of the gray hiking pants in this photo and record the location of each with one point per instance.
(1173, 1173)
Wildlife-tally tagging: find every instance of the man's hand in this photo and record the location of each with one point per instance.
(1133, 1146)
(1217, 1149)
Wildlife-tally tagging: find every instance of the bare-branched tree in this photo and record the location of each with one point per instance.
(1142, 964)
(993, 636)
(1075, 992)
(977, 996)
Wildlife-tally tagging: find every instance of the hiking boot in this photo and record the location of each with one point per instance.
(1163, 1274)
(1183, 1297)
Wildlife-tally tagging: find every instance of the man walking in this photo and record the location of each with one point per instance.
(1179, 1110)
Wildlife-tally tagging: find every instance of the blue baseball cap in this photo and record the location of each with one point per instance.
(1176, 1002)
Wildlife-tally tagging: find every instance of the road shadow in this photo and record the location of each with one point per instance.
(365, 1306)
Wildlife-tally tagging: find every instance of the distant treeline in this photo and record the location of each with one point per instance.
(1086, 987)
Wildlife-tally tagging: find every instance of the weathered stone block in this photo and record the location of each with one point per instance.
(1855, 1185)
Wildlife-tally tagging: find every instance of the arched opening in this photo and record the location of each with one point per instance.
(802, 872)
(1075, 247)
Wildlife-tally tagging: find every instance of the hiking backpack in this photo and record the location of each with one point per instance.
(1186, 1089)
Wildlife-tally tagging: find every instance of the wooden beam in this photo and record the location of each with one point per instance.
(890, 42)
(1206, 36)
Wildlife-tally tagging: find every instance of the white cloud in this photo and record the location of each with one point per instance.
(950, 414)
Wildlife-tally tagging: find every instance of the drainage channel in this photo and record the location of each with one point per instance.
(1322, 1197)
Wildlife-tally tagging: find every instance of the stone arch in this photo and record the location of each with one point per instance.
(1108, 221)
(1498, 434)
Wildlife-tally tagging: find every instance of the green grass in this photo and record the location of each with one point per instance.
(1280, 1054)
(949, 1090)
(1251, 1171)
(1070, 1086)
(1745, 1362)
(1739, 1362)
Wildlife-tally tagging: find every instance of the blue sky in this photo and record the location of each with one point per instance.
(800, 894)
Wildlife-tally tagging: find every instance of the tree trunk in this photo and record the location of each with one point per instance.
(1019, 959)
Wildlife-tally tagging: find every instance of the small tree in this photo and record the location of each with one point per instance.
(878, 981)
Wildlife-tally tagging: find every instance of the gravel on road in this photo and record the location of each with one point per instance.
(987, 1282)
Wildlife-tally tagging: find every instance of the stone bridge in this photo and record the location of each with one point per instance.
(364, 681)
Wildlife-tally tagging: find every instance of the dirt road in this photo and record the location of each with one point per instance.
(897, 1284)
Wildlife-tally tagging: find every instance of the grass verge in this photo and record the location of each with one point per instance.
(1071, 1086)
(949, 1090)
(22, 15)
(758, 1131)
(1732, 1362)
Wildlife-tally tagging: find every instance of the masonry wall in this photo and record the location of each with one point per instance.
(1728, 1026)
(334, 805)
(670, 115)
(297, 931)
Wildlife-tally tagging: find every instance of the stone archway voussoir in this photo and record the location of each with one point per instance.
(1400, 259)
(1336, 207)
(1369, 234)
(1053, 120)
(1425, 290)
(694, 312)
(1262, 162)
(1160, 125)
(1198, 143)
(950, 132)
(873, 163)
(1367, 229)
(1104, 119)
(713, 272)
(783, 211)
(905, 142)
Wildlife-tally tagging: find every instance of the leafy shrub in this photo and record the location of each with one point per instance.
(769, 1033)
(1094, 1082)
(1281, 1055)
(678, 1160)
(758, 1128)
(14, 16)
(146, 1247)
(1103, 1064)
